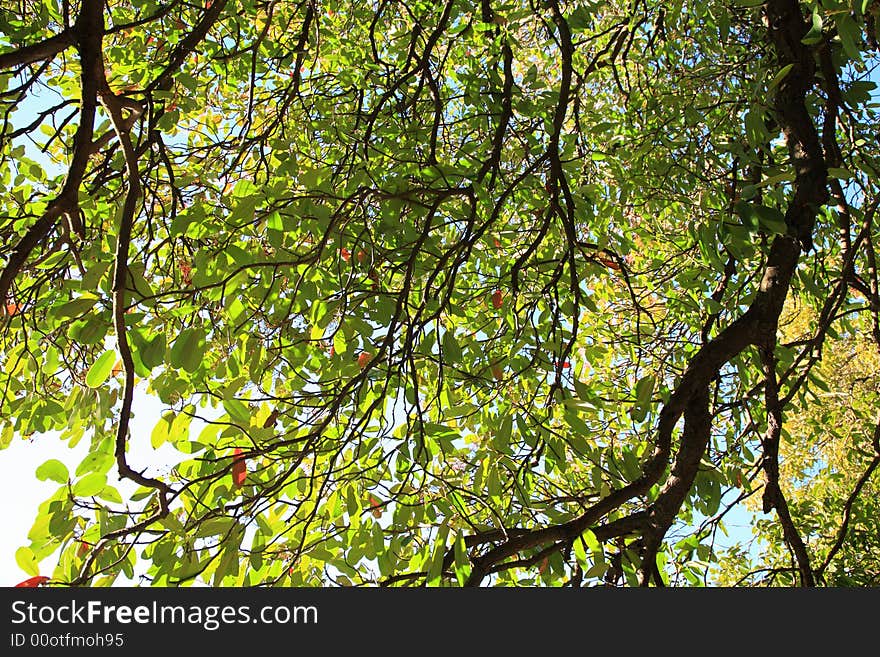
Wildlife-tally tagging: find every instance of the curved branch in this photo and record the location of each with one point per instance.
(757, 326)
(773, 496)
(850, 501)
(89, 29)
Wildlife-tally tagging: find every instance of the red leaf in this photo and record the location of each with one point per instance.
(497, 298)
(363, 358)
(239, 468)
(185, 271)
(377, 507)
(32, 582)
(346, 254)
(608, 262)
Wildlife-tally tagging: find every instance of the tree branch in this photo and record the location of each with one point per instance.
(88, 31)
(38, 51)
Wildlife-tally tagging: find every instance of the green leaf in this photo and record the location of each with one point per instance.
(580, 19)
(580, 554)
(850, 35)
(451, 348)
(503, 433)
(188, 349)
(814, 35)
(756, 131)
(780, 76)
(101, 369)
(274, 222)
(644, 389)
(215, 527)
(339, 345)
(840, 173)
(761, 217)
(88, 331)
(90, 485)
(26, 560)
(6, 436)
(161, 431)
(775, 180)
(462, 563)
(110, 494)
(74, 308)
(53, 469)
(153, 353)
(435, 567)
(97, 460)
(597, 570)
(238, 411)
(592, 542)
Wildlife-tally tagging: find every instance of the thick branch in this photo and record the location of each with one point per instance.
(183, 49)
(752, 328)
(787, 29)
(38, 51)
(773, 496)
(89, 30)
(694, 440)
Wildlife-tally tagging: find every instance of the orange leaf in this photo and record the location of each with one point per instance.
(186, 273)
(608, 262)
(497, 298)
(32, 582)
(346, 254)
(377, 507)
(364, 358)
(239, 468)
(12, 308)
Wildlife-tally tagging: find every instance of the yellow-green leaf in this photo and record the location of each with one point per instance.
(53, 469)
(100, 370)
(90, 485)
(26, 560)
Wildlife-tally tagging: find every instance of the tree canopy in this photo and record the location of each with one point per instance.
(516, 292)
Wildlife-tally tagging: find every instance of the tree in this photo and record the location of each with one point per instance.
(462, 293)
(828, 457)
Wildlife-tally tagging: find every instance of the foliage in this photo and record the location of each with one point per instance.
(437, 293)
(828, 458)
